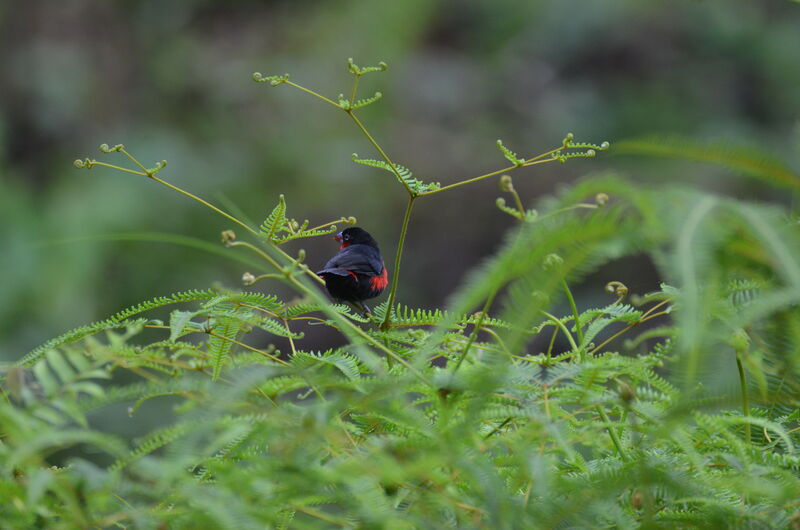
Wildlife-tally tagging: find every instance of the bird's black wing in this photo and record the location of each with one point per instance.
(360, 259)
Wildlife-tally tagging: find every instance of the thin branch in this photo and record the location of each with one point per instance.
(396, 271)
(315, 94)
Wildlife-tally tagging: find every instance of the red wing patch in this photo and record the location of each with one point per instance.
(379, 283)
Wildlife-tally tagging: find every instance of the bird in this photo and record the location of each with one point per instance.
(357, 272)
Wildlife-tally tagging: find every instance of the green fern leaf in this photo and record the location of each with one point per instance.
(402, 173)
(347, 364)
(276, 220)
(155, 440)
(367, 101)
(307, 233)
(510, 155)
(276, 328)
(356, 70)
(220, 346)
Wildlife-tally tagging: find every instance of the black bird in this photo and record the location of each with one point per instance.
(356, 273)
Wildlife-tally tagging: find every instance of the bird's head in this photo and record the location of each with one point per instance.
(355, 236)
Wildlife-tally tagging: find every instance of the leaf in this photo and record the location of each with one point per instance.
(367, 101)
(46, 378)
(276, 220)
(155, 440)
(510, 155)
(61, 366)
(402, 173)
(346, 364)
(500, 202)
(177, 323)
(306, 233)
(359, 71)
(220, 346)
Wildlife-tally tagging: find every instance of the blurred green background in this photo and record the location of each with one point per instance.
(172, 80)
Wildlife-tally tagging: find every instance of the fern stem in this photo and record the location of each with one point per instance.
(614, 438)
(745, 398)
(204, 203)
(133, 159)
(323, 516)
(568, 208)
(625, 330)
(518, 202)
(475, 331)
(563, 328)
(482, 177)
(382, 152)
(498, 427)
(223, 337)
(311, 274)
(315, 94)
(289, 336)
(575, 315)
(353, 92)
(326, 225)
(647, 316)
(500, 341)
(552, 341)
(269, 259)
(118, 168)
(387, 321)
(217, 210)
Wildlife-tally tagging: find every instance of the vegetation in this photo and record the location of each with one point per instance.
(675, 408)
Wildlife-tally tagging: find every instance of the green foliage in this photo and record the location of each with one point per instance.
(510, 155)
(471, 416)
(403, 173)
(279, 229)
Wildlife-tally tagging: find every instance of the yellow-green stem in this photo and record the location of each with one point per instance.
(396, 271)
(381, 151)
(475, 330)
(614, 438)
(204, 203)
(315, 94)
(745, 398)
(484, 176)
(575, 315)
(563, 328)
(518, 202)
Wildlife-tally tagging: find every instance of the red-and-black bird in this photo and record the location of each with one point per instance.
(356, 273)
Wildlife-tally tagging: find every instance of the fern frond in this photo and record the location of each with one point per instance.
(345, 363)
(273, 80)
(510, 155)
(277, 386)
(305, 233)
(75, 335)
(275, 221)
(363, 102)
(356, 70)
(155, 440)
(218, 346)
(563, 156)
(403, 173)
(276, 328)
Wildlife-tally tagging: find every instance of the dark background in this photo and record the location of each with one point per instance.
(172, 80)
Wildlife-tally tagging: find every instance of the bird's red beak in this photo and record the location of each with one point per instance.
(338, 237)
